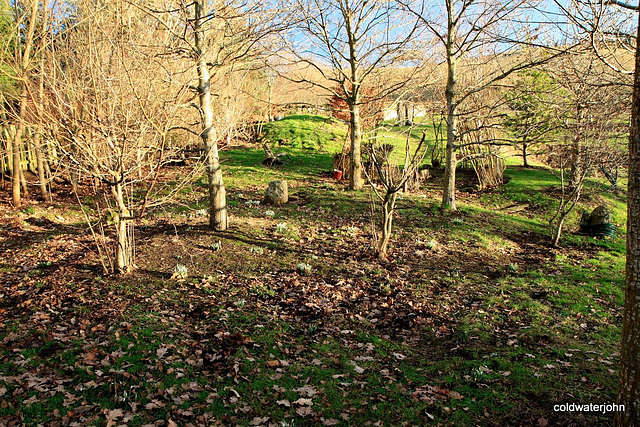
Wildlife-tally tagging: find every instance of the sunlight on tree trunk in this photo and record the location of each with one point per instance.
(356, 181)
(218, 218)
(629, 388)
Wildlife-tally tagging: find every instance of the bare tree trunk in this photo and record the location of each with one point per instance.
(629, 387)
(16, 169)
(449, 190)
(525, 155)
(218, 218)
(124, 231)
(557, 231)
(42, 182)
(37, 140)
(388, 205)
(17, 142)
(576, 150)
(356, 148)
(23, 182)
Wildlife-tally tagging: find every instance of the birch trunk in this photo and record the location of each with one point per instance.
(218, 218)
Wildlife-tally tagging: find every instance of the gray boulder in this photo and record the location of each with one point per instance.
(277, 193)
(600, 215)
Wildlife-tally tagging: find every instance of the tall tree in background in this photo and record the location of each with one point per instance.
(340, 45)
(531, 120)
(481, 41)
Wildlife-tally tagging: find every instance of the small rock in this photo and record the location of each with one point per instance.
(277, 193)
(600, 215)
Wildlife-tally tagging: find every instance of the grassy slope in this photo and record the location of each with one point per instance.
(475, 322)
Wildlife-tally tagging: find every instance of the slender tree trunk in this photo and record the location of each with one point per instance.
(576, 151)
(23, 182)
(16, 169)
(388, 205)
(557, 231)
(525, 155)
(218, 218)
(449, 190)
(37, 141)
(124, 231)
(629, 387)
(24, 67)
(42, 182)
(356, 181)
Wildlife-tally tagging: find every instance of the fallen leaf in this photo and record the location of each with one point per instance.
(307, 391)
(258, 421)
(455, 395)
(115, 414)
(303, 401)
(284, 402)
(304, 411)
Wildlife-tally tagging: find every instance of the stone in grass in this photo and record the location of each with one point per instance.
(600, 215)
(277, 193)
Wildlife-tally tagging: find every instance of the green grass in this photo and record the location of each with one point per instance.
(313, 133)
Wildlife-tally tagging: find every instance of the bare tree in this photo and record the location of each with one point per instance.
(112, 112)
(392, 175)
(22, 74)
(218, 218)
(612, 30)
(341, 45)
(482, 42)
(216, 41)
(587, 108)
